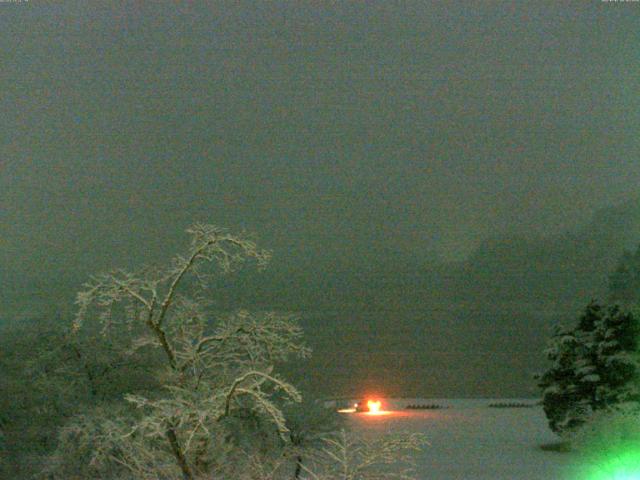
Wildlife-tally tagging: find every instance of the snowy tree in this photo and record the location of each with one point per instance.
(348, 457)
(594, 367)
(310, 425)
(48, 374)
(564, 407)
(618, 355)
(146, 383)
(217, 378)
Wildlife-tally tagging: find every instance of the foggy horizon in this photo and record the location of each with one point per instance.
(326, 131)
(346, 138)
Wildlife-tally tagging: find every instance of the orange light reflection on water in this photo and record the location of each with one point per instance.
(374, 409)
(378, 413)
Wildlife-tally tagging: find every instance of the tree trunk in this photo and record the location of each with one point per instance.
(177, 452)
(162, 338)
(298, 467)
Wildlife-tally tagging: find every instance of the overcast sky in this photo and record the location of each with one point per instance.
(329, 129)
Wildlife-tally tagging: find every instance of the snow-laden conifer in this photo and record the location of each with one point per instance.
(594, 367)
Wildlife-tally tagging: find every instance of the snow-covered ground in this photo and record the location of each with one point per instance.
(470, 441)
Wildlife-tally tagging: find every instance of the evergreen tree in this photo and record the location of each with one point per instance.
(570, 385)
(595, 367)
(558, 382)
(618, 358)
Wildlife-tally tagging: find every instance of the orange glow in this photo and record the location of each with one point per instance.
(374, 407)
(368, 407)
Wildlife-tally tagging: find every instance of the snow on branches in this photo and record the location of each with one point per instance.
(595, 367)
(213, 369)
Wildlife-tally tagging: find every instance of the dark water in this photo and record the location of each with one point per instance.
(425, 352)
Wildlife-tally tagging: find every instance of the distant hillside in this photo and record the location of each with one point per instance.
(472, 328)
(565, 269)
(476, 327)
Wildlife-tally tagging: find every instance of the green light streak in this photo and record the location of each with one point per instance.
(619, 464)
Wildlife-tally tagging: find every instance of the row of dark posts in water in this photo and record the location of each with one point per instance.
(434, 406)
(425, 407)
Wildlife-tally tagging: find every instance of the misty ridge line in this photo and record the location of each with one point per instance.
(507, 255)
(506, 287)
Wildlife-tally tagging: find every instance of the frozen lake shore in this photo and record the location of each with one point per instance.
(470, 441)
